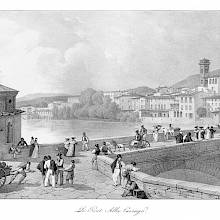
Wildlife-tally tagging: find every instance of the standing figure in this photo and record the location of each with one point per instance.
(51, 168)
(196, 132)
(202, 133)
(212, 132)
(66, 146)
(188, 137)
(72, 147)
(22, 169)
(35, 153)
(143, 131)
(116, 167)
(59, 173)
(42, 169)
(96, 152)
(32, 146)
(155, 135)
(85, 142)
(70, 172)
(208, 133)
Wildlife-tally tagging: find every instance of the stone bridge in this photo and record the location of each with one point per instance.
(202, 156)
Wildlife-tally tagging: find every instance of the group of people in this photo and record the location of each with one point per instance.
(121, 175)
(140, 135)
(200, 133)
(33, 150)
(69, 148)
(52, 171)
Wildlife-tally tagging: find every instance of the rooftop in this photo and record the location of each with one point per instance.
(6, 89)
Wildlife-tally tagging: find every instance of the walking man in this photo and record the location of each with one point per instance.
(42, 169)
(85, 142)
(50, 166)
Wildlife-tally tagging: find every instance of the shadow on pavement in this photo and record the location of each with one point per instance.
(14, 187)
(78, 187)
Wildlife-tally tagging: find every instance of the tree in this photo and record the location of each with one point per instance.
(97, 98)
(86, 97)
(201, 112)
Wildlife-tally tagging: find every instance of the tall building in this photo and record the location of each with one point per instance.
(204, 70)
(10, 117)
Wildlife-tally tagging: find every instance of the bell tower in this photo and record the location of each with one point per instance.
(204, 69)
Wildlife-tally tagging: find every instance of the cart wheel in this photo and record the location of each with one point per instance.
(2, 177)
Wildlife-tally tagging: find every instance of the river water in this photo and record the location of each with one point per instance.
(54, 131)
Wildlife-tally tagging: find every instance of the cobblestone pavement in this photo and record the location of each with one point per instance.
(88, 184)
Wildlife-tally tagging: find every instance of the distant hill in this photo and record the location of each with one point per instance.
(40, 95)
(142, 90)
(190, 82)
(40, 99)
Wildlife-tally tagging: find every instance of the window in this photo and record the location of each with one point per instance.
(185, 99)
(182, 99)
(186, 115)
(201, 81)
(164, 106)
(181, 107)
(210, 81)
(215, 80)
(186, 107)
(9, 101)
(181, 114)
(190, 107)
(190, 115)
(190, 99)
(174, 114)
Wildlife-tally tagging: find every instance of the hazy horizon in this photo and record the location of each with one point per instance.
(68, 51)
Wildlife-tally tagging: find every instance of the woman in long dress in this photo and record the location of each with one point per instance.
(35, 153)
(208, 134)
(117, 167)
(71, 149)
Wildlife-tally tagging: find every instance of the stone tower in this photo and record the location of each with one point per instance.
(204, 69)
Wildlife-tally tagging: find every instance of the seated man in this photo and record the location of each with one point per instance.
(23, 168)
(137, 138)
(105, 149)
(129, 188)
(22, 143)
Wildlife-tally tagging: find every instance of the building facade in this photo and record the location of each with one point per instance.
(10, 117)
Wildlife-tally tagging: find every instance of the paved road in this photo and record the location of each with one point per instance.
(88, 184)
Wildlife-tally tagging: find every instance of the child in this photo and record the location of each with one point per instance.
(70, 172)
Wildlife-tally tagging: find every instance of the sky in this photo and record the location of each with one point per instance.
(68, 51)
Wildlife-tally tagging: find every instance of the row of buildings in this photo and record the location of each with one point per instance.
(30, 112)
(176, 103)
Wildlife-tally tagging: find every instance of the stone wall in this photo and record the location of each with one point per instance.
(160, 159)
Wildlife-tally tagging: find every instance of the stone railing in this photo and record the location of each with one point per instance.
(161, 159)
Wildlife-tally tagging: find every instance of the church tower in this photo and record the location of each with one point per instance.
(204, 69)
